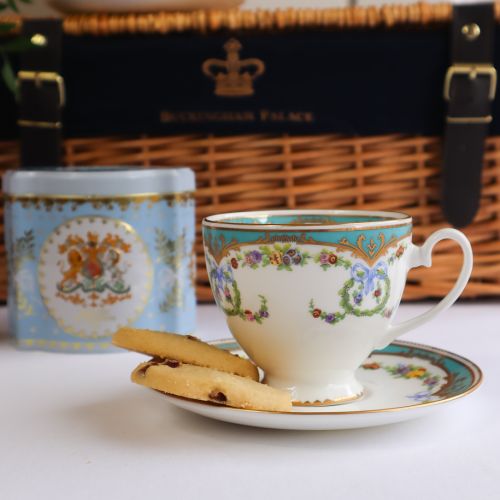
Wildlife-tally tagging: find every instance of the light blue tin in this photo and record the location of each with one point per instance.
(91, 250)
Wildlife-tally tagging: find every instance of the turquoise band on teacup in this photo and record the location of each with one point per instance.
(367, 244)
(367, 234)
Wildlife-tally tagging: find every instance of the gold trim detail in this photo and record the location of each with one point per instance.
(39, 124)
(303, 218)
(40, 77)
(39, 40)
(375, 251)
(58, 201)
(470, 31)
(64, 344)
(329, 402)
(280, 228)
(472, 71)
(469, 119)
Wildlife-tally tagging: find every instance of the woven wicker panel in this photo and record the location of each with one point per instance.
(249, 172)
(203, 21)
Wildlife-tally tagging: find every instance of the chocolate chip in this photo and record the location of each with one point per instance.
(192, 337)
(173, 363)
(142, 371)
(157, 360)
(218, 396)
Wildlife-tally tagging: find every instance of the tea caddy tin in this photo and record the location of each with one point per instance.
(94, 249)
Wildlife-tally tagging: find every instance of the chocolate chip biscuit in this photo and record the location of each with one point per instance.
(186, 349)
(205, 384)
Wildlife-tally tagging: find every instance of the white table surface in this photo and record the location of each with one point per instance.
(73, 427)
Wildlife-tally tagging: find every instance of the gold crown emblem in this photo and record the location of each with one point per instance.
(233, 76)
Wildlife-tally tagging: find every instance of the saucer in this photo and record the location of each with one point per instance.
(402, 382)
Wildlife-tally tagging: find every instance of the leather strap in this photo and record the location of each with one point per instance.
(41, 95)
(469, 88)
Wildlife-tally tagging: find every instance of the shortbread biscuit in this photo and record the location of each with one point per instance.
(206, 384)
(187, 349)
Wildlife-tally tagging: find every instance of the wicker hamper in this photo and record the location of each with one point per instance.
(264, 171)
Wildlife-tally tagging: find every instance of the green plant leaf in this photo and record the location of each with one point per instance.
(12, 5)
(9, 76)
(6, 27)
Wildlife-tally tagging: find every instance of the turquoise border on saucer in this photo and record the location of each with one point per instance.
(463, 375)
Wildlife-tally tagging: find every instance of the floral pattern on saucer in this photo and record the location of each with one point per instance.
(410, 371)
(408, 365)
(386, 374)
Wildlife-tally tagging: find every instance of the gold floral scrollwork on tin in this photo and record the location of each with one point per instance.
(23, 251)
(233, 76)
(56, 202)
(174, 254)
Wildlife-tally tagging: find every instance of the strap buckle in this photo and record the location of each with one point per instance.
(472, 71)
(40, 77)
(469, 120)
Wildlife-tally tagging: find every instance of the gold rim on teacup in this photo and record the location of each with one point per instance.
(380, 219)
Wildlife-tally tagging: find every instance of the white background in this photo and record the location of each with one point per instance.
(73, 427)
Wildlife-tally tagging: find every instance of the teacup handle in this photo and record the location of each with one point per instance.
(422, 256)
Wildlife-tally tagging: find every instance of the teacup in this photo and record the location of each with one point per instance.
(309, 294)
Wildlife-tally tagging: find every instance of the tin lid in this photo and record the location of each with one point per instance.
(92, 181)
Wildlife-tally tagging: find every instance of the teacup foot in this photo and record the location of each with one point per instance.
(329, 402)
(340, 389)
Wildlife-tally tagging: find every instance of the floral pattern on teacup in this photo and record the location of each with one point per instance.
(286, 257)
(283, 257)
(227, 294)
(365, 293)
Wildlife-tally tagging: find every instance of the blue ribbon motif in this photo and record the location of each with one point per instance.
(369, 275)
(222, 274)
